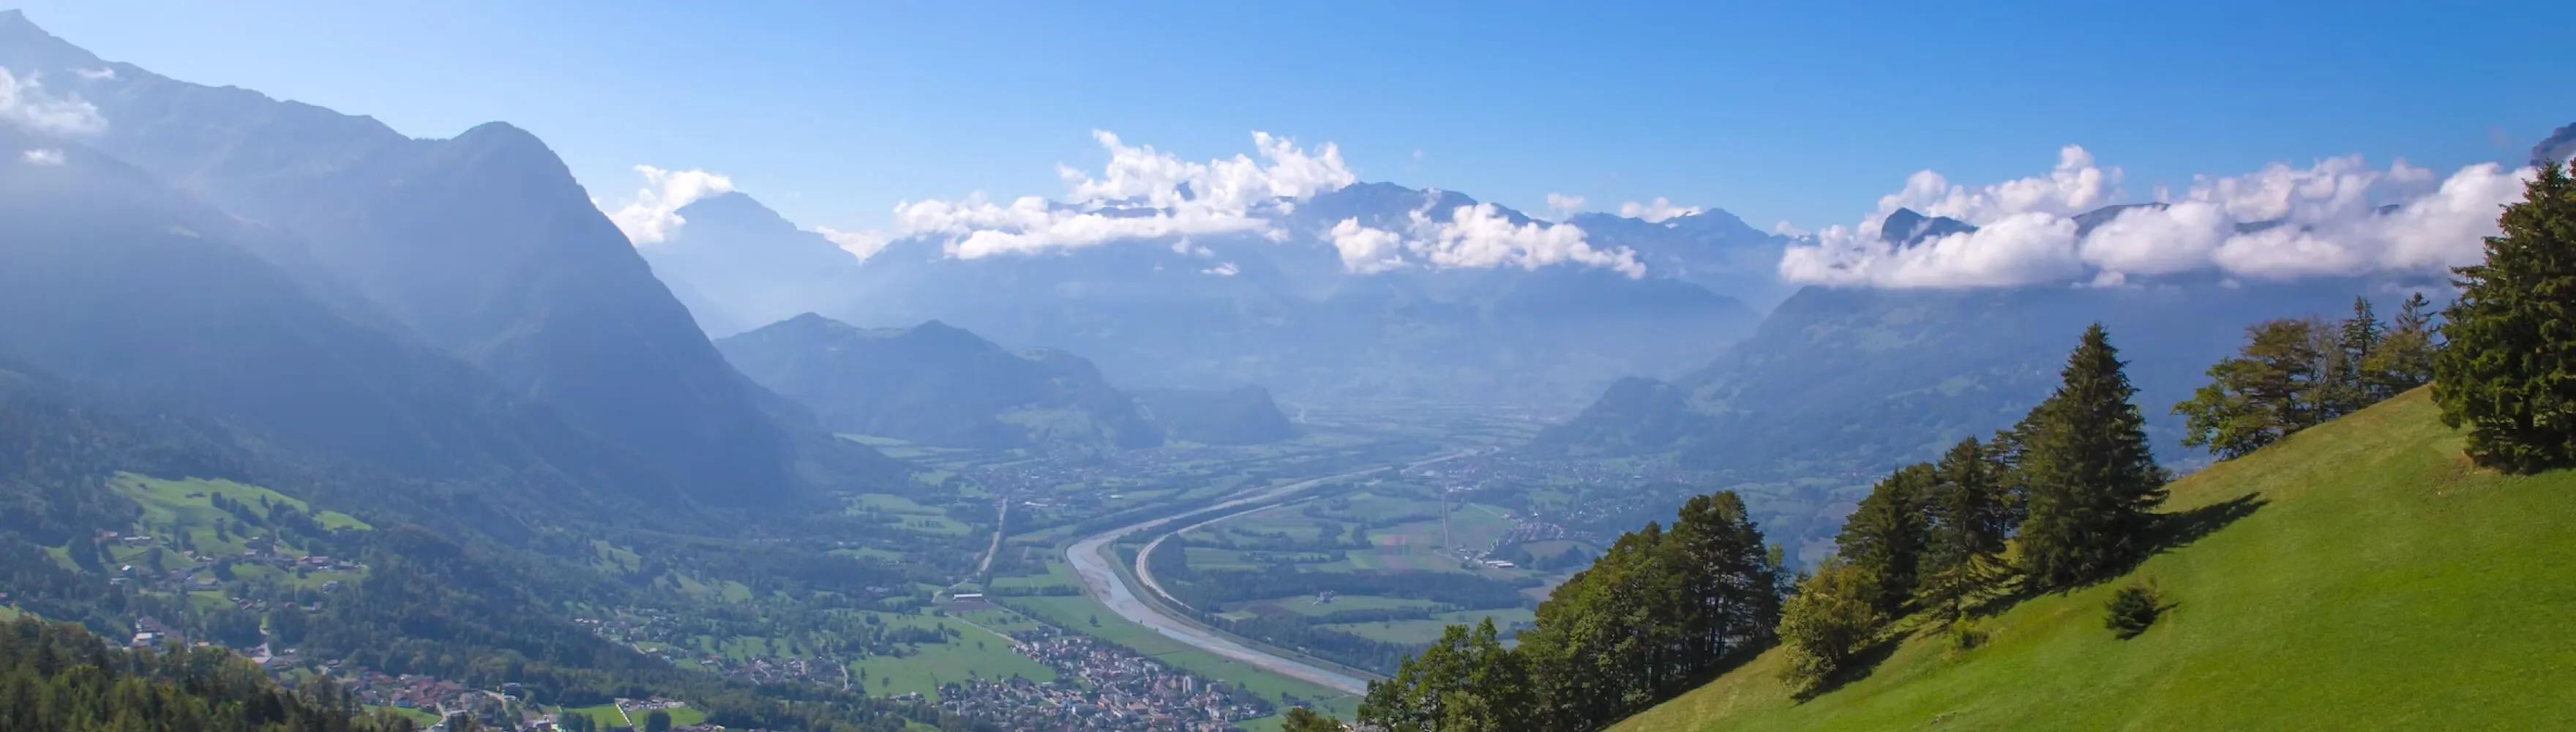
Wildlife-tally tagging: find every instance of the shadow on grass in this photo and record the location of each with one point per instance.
(1855, 668)
(2172, 531)
(2178, 530)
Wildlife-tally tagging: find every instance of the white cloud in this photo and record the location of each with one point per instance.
(2336, 217)
(1481, 236)
(1656, 211)
(1477, 236)
(861, 244)
(1226, 269)
(1142, 193)
(1562, 206)
(1367, 250)
(2076, 185)
(42, 156)
(654, 215)
(1145, 194)
(24, 102)
(102, 73)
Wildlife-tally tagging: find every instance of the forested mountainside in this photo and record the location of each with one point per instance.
(939, 385)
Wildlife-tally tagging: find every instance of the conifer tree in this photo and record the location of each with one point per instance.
(1969, 517)
(2347, 385)
(2508, 369)
(1884, 536)
(2092, 481)
(2275, 386)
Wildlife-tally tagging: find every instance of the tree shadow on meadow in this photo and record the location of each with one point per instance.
(2172, 531)
(1859, 666)
(2178, 530)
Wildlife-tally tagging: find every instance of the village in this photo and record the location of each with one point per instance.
(1118, 691)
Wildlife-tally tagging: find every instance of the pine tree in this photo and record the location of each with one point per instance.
(2348, 386)
(2404, 358)
(2508, 370)
(1970, 516)
(2280, 383)
(2092, 481)
(1727, 579)
(1884, 535)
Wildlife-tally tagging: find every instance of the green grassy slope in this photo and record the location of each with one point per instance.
(2380, 583)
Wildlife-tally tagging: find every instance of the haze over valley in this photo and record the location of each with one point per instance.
(318, 415)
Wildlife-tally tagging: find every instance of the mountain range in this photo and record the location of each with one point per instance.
(940, 385)
(338, 284)
(1279, 310)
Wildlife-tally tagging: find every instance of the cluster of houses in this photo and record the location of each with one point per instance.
(197, 573)
(407, 691)
(1118, 690)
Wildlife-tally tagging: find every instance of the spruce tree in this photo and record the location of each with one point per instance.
(2092, 482)
(2404, 358)
(1970, 516)
(1884, 536)
(2508, 369)
(2349, 385)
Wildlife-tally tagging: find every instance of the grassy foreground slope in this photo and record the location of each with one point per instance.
(2378, 582)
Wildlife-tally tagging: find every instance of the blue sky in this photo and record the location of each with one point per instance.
(1808, 115)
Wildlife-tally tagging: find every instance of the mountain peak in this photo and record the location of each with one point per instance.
(736, 208)
(2558, 146)
(1906, 227)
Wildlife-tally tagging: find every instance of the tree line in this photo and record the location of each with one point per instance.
(1659, 611)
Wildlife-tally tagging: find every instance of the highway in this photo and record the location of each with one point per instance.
(1096, 564)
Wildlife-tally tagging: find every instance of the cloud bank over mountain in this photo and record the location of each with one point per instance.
(25, 102)
(1657, 211)
(2338, 216)
(654, 215)
(1473, 237)
(1145, 194)
(1142, 193)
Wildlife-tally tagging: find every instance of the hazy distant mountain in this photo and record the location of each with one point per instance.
(939, 385)
(1222, 310)
(2560, 145)
(741, 265)
(1712, 249)
(1239, 416)
(1860, 379)
(132, 289)
(482, 246)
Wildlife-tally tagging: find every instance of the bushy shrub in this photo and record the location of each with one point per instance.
(2133, 608)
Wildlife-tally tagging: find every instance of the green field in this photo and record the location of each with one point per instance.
(907, 514)
(974, 655)
(176, 508)
(2378, 582)
(1305, 605)
(607, 717)
(1426, 631)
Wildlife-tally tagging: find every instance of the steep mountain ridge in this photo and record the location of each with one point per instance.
(482, 245)
(140, 291)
